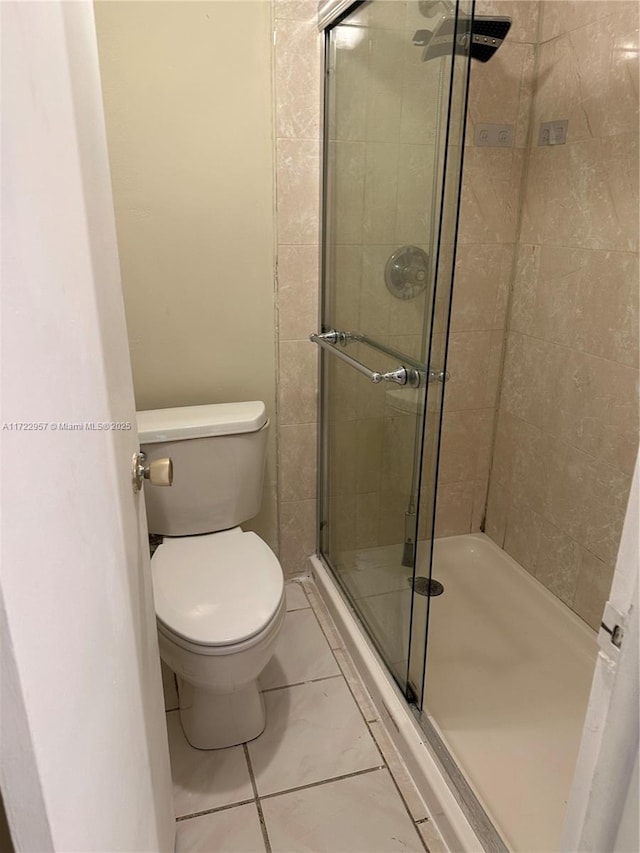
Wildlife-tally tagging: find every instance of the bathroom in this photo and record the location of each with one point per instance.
(218, 217)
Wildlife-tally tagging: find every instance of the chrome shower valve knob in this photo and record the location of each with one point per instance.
(159, 472)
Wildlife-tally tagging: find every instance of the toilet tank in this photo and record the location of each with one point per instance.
(218, 454)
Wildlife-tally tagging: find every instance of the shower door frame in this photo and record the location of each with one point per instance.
(330, 14)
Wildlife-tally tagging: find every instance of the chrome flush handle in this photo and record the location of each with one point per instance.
(158, 473)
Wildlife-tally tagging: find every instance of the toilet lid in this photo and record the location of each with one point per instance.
(217, 589)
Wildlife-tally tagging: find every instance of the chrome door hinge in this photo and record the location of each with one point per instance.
(611, 631)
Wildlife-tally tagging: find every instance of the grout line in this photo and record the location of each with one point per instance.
(373, 738)
(301, 683)
(214, 810)
(324, 782)
(263, 825)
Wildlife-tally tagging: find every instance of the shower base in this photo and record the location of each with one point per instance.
(508, 675)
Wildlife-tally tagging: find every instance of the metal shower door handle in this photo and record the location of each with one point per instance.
(415, 375)
(401, 375)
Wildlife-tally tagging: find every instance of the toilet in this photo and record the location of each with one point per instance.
(218, 590)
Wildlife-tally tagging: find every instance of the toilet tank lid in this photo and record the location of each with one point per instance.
(157, 425)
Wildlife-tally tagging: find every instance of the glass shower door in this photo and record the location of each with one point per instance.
(394, 119)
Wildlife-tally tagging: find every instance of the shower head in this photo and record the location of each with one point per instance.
(481, 36)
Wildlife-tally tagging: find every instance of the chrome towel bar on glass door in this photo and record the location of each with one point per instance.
(401, 375)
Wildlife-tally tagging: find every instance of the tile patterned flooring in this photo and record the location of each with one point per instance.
(323, 777)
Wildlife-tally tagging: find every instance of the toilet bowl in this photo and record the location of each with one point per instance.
(219, 595)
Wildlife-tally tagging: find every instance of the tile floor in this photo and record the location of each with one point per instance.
(323, 776)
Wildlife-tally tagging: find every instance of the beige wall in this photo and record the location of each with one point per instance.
(188, 101)
(567, 433)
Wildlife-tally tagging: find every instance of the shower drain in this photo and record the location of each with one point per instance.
(425, 586)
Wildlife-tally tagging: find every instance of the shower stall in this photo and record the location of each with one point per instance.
(479, 340)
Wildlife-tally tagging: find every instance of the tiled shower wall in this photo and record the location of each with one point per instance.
(500, 92)
(297, 132)
(568, 417)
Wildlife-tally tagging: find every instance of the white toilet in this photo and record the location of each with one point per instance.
(219, 592)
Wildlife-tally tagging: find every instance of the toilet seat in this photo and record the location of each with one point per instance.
(216, 591)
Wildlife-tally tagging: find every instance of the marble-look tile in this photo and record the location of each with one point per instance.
(586, 499)
(415, 203)
(583, 176)
(298, 382)
(523, 13)
(356, 814)
(384, 81)
(344, 383)
(587, 78)
(418, 120)
(342, 521)
(406, 321)
(343, 286)
(465, 445)
(298, 283)
(490, 195)
(592, 588)
(595, 407)
(522, 535)
(380, 193)
(296, 597)
(297, 535)
(606, 312)
(314, 732)
(347, 165)
(563, 16)
(495, 87)
(297, 451)
(530, 369)
(479, 504)
(546, 288)
(367, 514)
(348, 83)
(375, 298)
(342, 456)
(522, 461)
(528, 82)
(369, 449)
(605, 503)
(297, 79)
(301, 654)
(205, 778)
(455, 508)
(497, 511)
(558, 563)
(468, 363)
(169, 687)
(298, 208)
(296, 10)
(235, 830)
(481, 286)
